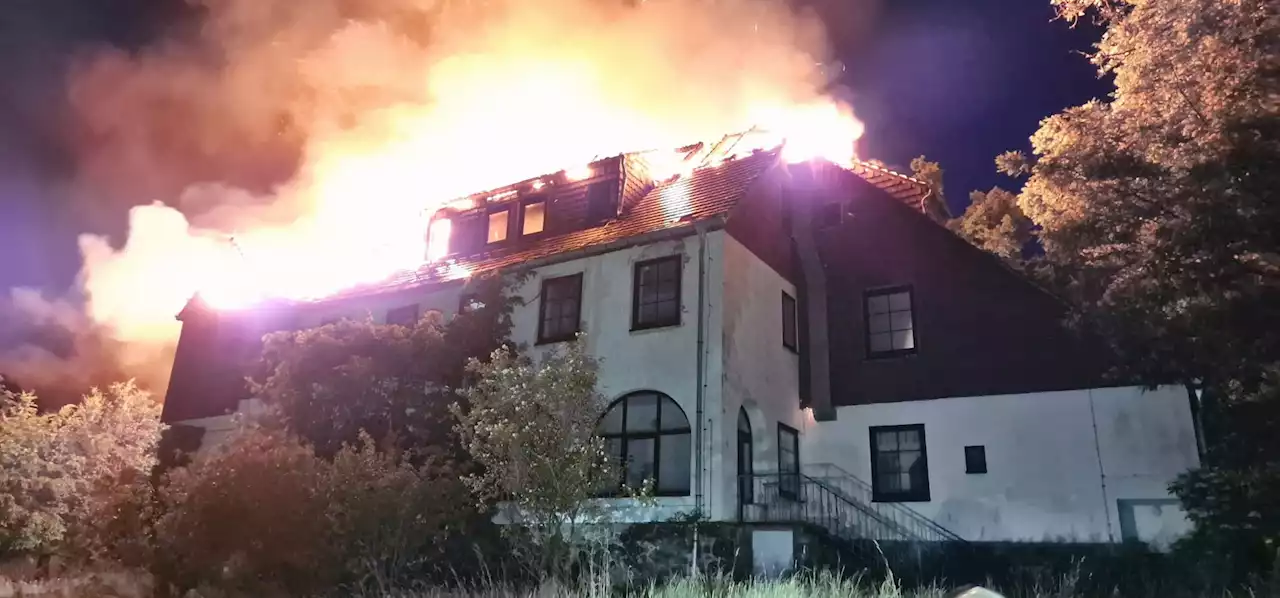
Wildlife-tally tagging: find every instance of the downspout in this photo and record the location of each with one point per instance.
(700, 392)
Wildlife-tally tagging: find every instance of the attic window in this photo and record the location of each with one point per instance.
(534, 218)
(498, 225)
(438, 239)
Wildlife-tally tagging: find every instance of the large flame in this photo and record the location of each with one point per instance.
(401, 105)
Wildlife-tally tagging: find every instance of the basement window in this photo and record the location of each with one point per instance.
(499, 223)
(890, 322)
(899, 464)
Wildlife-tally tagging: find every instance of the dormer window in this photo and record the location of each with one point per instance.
(534, 217)
(499, 222)
(438, 239)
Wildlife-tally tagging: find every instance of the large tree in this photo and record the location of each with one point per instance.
(1160, 202)
(994, 222)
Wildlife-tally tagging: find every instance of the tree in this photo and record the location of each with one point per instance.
(392, 382)
(993, 222)
(532, 429)
(1161, 200)
(69, 479)
(931, 174)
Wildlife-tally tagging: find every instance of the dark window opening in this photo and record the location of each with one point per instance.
(403, 316)
(648, 435)
(788, 462)
(975, 459)
(746, 454)
(561, 309)
(602, 201)
(790, 338)
(656, 293)
(899, 464)
(890, 322)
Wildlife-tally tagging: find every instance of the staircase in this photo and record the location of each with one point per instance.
(832, 499)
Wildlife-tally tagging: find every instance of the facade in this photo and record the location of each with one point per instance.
(788, 344)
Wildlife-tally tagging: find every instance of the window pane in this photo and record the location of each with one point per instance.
(744, 424)
(642, 413)
(907, 460)
(640, 465)
(906, 482)
(887, 462)
(901, 321)
(879, 323)
(881, 342)
(904, 340)
(534, 215)
(878, 304)
(909, 440)
(673, 463)
(498, 226)
(889, 482)
(886, 441)
(672, 417)
(611, 423)
(900, 301)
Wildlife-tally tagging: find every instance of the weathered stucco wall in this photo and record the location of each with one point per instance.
(1061, 465)
(759, 371)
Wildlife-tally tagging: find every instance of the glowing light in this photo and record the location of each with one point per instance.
(538, 184)
(580, 173)
(438, 239)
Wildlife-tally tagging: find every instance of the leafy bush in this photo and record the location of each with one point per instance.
(74, 481)
(263, 513)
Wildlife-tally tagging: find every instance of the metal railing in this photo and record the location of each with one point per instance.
(800, 498)
(858, 491)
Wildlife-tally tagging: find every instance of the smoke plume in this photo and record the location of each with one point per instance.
(315, 133)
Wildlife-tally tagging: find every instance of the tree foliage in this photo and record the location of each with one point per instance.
(67, 478)
(1161, 200)
(262, 512)
(392, 382)
(532, 429)
(931, 173)
(994, 222)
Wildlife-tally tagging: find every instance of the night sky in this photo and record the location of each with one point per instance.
(957, 81)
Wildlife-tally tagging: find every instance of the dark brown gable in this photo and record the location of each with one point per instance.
(977, 327)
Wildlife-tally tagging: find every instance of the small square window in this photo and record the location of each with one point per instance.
(975, 459)
(890, 322)
(403, 316)
(534, 219)
(498, 224)
(561, 309)
(899, 464)
(655, 298)
(790, 336)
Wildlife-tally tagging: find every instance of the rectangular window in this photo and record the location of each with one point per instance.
(975, 459)
(438, 239)
(788, 461)
(561, 309)
(403, 316)
(499, 222)
(890, 322)
(899, 464)
(656, 293)
(534, 218)
(789, 333)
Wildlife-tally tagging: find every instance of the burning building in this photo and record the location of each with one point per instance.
(780, 331)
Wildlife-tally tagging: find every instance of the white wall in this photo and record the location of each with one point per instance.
(759, 372)
(1058, 462)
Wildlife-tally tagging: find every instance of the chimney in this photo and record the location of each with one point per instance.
(803, 193)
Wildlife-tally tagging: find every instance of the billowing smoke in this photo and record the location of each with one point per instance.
(316, 133)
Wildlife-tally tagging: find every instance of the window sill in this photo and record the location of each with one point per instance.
(903, 498)
(795, 350)
(555, 340)
(660, 326)
(890, 355)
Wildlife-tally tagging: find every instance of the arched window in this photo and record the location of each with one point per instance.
(648, 433)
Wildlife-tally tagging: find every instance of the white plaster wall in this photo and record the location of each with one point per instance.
(759, 371)
(1058, 462)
